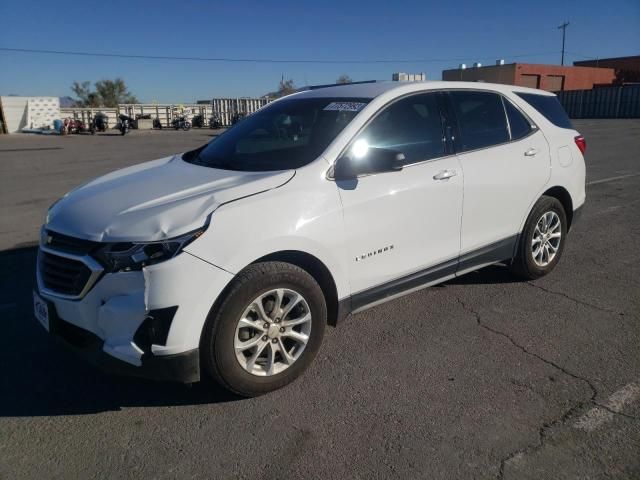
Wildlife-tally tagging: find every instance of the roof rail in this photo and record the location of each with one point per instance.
(316, 87)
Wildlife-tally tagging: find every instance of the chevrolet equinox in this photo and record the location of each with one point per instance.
(229, 260)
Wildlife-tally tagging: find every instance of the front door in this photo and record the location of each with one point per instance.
(403, 228)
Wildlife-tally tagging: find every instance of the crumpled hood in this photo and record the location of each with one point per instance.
(154, 200)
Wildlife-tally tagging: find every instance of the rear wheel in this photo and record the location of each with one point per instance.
(542, 241)
(267, 329)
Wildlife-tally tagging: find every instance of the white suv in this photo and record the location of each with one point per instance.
(230, 259)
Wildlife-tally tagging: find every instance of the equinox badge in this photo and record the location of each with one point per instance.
(364, 256)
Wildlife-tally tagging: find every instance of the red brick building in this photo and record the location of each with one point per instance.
(627, 68)
(546, 77)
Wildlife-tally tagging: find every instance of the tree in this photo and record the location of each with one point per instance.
(86, 98)
(113, 92)
(344, 78)
(107, 93)
(286, 87)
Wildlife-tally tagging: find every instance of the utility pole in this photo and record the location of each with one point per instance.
(564, 31)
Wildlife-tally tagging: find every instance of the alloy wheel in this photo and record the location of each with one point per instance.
(547, 236)
(272, 332)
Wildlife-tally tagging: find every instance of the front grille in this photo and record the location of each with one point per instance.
(63, 275)
(64, 243)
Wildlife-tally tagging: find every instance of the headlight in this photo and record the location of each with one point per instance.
(125, 257)
(47, 217)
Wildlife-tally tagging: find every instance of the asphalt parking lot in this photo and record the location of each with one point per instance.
(482, 377)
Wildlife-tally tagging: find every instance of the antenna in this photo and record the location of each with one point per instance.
(564, 31)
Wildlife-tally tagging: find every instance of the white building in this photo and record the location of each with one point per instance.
(408, 77)
(17, 113)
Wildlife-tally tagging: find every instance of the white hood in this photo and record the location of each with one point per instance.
(154, 200)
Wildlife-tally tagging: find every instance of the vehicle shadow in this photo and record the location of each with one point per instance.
(39, 376)
(493, 274)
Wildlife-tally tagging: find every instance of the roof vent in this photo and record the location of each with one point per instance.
(463, 66)
(500, 62)
(477, 65)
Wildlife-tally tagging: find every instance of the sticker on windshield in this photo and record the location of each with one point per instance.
(345, 106)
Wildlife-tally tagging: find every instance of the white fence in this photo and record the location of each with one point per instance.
(225, 107)
(86, 114)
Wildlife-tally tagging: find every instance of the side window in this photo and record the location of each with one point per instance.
(412, 126)
(481, 119)
(518, 124)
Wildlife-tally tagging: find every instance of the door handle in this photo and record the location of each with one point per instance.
(445, 175)
(531, 152)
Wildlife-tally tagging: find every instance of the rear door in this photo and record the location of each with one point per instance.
(505, 160)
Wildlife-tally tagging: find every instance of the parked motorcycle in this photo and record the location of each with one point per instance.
(126, 124)
(72, 125)
(197, 121)
(214, 121)
(99, 123)
(157, 123)
(181, 122)
(237, 117)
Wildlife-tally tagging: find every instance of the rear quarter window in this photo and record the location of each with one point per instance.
(519, 126)
(549, 107)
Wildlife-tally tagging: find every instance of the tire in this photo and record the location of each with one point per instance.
(525, 264)
(223, 330)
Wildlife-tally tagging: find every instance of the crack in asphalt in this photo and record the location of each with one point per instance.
(542, 431)
(575, 300)
(626, 415)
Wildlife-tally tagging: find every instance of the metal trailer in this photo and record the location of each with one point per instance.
(166, 112)
(87, 114)
(227, 107)
(619, 101)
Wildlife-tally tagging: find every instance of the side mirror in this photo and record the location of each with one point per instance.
(376, 160)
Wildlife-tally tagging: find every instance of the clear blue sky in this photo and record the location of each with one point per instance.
(457, 31)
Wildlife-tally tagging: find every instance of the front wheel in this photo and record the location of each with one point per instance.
(267, 329)
(542, 241)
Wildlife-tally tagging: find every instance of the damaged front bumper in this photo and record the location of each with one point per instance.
(143, 323)
(181, 367)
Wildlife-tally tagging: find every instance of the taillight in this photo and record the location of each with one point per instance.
(581, 143)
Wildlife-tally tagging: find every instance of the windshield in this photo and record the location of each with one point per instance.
(284, 135)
